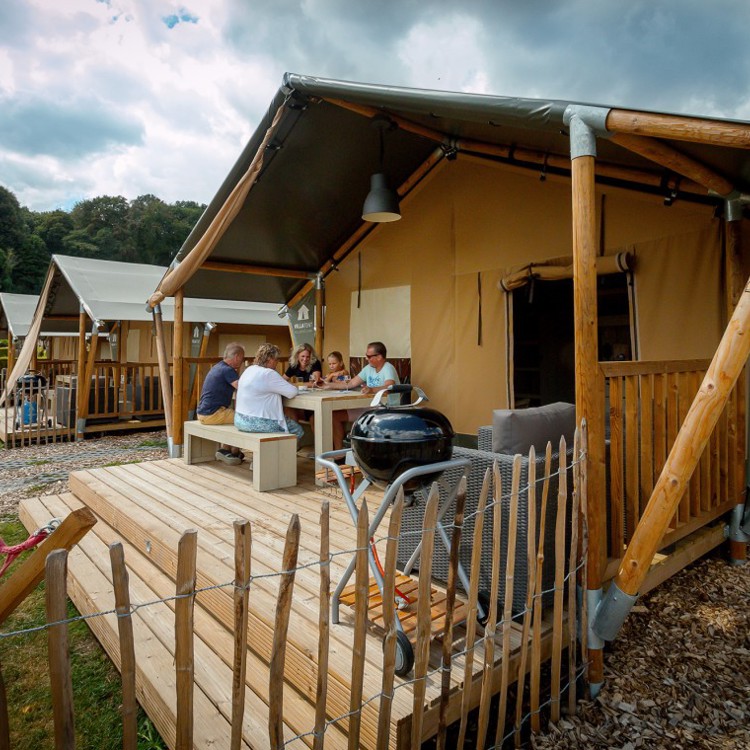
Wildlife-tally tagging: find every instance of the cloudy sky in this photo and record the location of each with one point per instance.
(126, 97)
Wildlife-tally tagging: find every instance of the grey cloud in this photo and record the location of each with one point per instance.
(77, 128)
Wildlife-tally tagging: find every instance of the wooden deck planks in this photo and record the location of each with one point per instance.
(149, 505)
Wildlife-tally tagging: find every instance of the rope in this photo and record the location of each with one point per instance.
(37, 537)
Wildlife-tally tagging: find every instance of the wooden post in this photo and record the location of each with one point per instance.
(242, 555)
(733, 276)
(80, 367)
(178, 343)
(691, 440)
(324, 634)
(166, 388)
(184, 614)
(59, 656)
(587, 387)
(84, 385)
(127, 646)
(319, 315)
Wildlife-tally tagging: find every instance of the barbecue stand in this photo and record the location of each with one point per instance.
(404, 649)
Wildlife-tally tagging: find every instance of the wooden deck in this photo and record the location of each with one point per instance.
(148, 506)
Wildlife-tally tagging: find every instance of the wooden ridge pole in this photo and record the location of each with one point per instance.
(589, 406)
(694, 129)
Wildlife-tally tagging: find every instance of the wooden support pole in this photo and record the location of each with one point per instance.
(691, 440)
(319, 316)
(589, 405)
(733, 277)
(178, 356)
(246, 268)
(242, 559)
(166, 386)
(84, 385)
(81, 365)
(663, 154)
(11, 355)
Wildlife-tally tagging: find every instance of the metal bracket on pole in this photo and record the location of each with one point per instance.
(586, 124)
(611, 612)
(736, 531)
(733, 208)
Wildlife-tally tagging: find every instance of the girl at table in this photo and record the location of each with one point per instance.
(336, 369)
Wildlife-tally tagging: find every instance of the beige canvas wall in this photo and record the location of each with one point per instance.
(471, 218)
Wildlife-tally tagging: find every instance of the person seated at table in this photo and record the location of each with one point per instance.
(259, 407)
(215, 404)
(336, 369)
(304, 364)
(377, 374)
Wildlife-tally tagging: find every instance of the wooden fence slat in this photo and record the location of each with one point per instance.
(187, 549)
(616, 476)
(281, 627)
(56, 594)
(490, 626)
(510, 569)
(536, 630)
(361, 602)
(471, 606)
(121, 585)
(424, 618)
(445, 687)
(30, 572)
(324, 615)
(646, 451)
(530, 588)
(389, 617)
(242, 565)
(557, 623)
(673, 424)
(632, 485)
(684, 399)
(572, 576)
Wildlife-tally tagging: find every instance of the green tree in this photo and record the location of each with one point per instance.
(28, 276)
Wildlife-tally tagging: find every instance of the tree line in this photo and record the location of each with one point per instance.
(143, 230)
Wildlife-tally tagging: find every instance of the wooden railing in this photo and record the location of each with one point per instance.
(125, 391)
(648, 402)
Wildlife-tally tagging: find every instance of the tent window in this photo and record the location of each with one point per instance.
(543, 342)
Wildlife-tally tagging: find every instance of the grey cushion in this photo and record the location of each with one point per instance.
(516, 430)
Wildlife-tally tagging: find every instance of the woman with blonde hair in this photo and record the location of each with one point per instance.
(259, 407)
(304, 364)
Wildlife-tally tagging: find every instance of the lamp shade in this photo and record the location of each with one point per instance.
(381, 203)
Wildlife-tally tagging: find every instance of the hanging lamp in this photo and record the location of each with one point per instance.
(381, 204)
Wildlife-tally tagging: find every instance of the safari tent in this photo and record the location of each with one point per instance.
(546, 251)
(16, 312)
(102, 302)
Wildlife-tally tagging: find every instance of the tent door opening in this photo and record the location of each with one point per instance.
(543, 336)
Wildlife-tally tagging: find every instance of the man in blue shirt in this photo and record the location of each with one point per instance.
(215, 405)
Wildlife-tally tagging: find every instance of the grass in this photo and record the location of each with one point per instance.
(153, 444)
(123, 463)
(97, 691)
(40, 462)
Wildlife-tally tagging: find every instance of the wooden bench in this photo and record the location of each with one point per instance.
(274, 453)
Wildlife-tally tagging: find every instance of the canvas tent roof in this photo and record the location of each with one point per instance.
(17, 311)
(307, 199)
(112, 290)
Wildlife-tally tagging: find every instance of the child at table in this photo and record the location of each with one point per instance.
(336, 369)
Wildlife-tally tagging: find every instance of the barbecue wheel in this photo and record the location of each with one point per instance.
(404, 654)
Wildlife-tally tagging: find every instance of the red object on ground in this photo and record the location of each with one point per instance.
(13, 552)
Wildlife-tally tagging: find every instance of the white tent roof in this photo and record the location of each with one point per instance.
(16, 312)
(111, 290)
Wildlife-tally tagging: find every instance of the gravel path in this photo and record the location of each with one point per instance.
(43, 469)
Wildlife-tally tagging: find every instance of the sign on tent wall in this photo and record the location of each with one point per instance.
(381, 315)
(302, 321)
